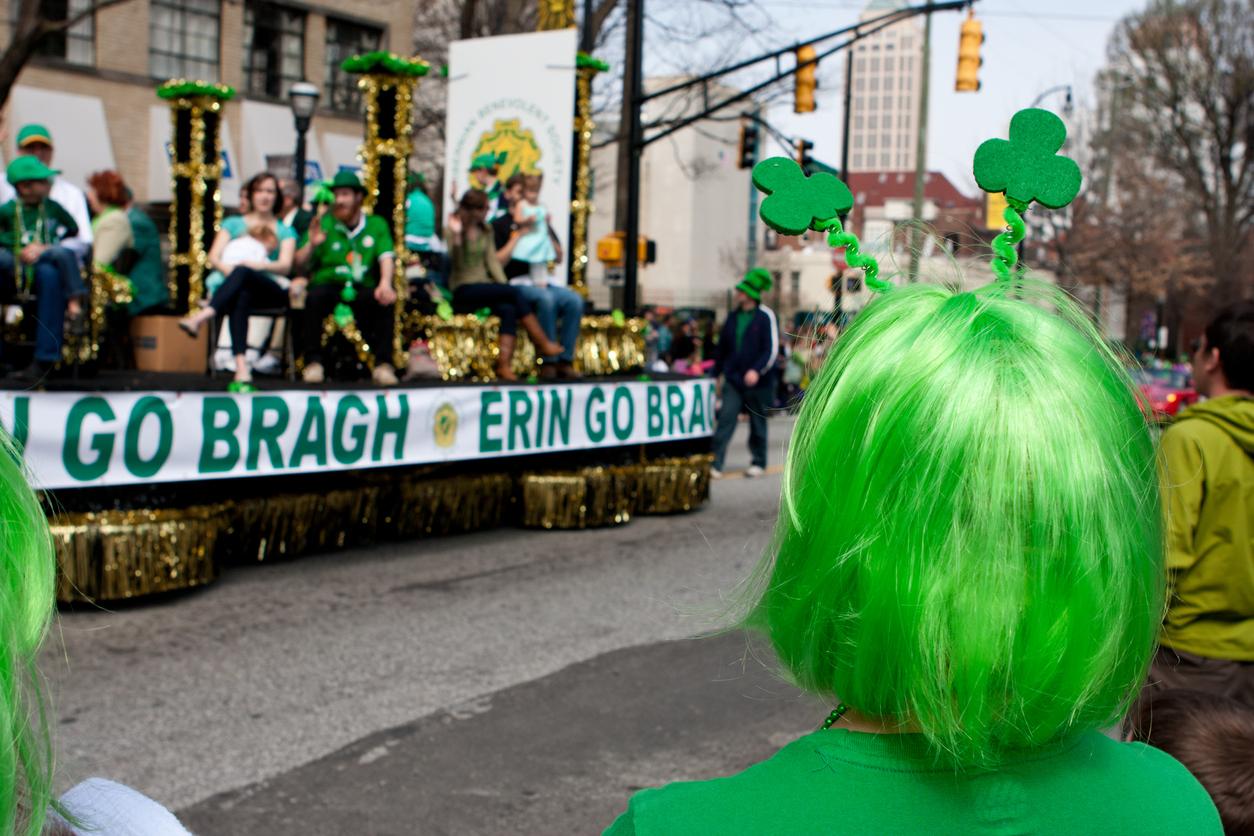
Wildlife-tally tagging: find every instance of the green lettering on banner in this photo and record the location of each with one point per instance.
(623, 395)
(696, 421)
(20, 431)
(519, 415)
(487, 420)
(261, 433)
(386, 425)
(145, 406)
(559, 416)
(101, 443)
(653, 411)
(541, 409)
(342, 452)
(595, 423)
(211, 434)
(312, 438)
(674, 409)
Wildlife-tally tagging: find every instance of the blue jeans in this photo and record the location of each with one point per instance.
(52, 292)
(550, 304)
(755, 401)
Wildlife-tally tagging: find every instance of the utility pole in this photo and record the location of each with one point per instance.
(920, 150)
(844, 142)
(627, 202)
(751, 249)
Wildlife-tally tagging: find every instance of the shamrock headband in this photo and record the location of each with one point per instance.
(796, 202)
(1025, 168)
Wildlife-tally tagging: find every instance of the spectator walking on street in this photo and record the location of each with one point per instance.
(1208, 457)
(746, 356)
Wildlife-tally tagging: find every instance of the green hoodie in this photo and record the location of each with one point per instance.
(1208, 457)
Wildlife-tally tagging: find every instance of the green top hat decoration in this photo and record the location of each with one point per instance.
(756, 282)
(796, 201)
(1026, 168)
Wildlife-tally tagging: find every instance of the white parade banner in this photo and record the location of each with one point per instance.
(81, 439)
(515, 95)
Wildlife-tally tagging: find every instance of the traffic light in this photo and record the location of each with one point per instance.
(611, 249)
(748, 145)
(969, 60)
(803, 154)
(807, 81)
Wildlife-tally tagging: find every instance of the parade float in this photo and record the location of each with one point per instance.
(157, 482)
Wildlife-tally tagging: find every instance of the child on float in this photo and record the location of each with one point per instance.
(968, 563)
(27, 583)
(539, 246)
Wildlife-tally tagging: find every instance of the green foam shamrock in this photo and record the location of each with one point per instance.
(796, 202)
(1026, 167)
(343, 315)
(618, 317)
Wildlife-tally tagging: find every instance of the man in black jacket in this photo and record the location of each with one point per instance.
(747, 349)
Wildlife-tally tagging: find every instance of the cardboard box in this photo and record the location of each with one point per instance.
(161, 346)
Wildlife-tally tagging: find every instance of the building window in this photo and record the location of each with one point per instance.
(875, 83)
(183, 39)
(794, 279)
(885, 159)
(274, 48)
(344, 40)
(76, 45)
(875, 64)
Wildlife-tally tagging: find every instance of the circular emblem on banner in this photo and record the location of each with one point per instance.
(444, 425)
(518, 143)
(368, 241)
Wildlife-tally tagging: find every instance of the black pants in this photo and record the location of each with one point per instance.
(243, 292)
(376, 322)
(506, 302)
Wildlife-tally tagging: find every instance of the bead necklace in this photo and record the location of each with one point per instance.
(834, 717)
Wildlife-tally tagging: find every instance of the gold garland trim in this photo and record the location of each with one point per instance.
(466, 347)
(116, 555)
(581, 206)
(556, 14)
(355, 338)
(199, 173)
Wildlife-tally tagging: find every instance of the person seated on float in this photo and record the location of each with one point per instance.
(549, 300)
(477, 281)
(115, 247)
(349, 259)
(147, 271)
(238, 290)
(292, 212)
(483, 177)
(27, 589)
(32, 260)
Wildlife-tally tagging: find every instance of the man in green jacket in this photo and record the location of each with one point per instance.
(350, 261)
(1208, 462)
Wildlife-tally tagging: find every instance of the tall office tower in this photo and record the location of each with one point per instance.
(887, 74)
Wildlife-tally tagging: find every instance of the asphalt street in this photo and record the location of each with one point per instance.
(509, 681)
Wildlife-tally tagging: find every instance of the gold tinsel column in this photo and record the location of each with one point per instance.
(196, 175)
(555, 14)
(587, 68)
(387, 82)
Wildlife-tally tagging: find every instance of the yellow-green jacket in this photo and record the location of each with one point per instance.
(1208, 460)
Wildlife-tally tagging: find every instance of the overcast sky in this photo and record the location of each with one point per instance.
(1030, 46)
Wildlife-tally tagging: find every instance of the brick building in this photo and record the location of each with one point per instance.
(94, 85)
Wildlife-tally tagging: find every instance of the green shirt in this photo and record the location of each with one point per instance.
(148, 276)
(843, 782)
(743, 318)
(419, 221)
(45, 223)
(365, 246)
(1208, 459)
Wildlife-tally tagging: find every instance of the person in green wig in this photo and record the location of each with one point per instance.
(33, 229)
(746, 354)
(349, 259)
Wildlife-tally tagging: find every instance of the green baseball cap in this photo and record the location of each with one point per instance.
(25, 167)
(488, 161)
(345, 179)
(32, 134)
(756, 282)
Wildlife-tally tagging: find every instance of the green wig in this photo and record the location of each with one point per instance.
(26, 605)
(969, 539)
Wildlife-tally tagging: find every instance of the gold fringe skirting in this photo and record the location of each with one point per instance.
(117, 555)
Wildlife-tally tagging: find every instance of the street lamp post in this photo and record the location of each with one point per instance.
(304, 100)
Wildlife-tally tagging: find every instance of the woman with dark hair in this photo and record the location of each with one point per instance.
(114, 244)
(252, 283)
(477, 281)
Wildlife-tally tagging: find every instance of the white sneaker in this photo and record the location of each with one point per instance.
(384, 375)
(753, 472)
(715, 473)
(313, 373)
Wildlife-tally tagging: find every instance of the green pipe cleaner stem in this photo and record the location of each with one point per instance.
(1005, 253)
(838, 238)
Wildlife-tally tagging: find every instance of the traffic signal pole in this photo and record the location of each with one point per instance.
(920, 151)
(634, 93)
(751, 248)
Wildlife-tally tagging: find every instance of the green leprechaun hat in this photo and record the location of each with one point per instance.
(756, 282)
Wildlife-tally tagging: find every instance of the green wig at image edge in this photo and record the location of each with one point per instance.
(969, 539)
(26, 605)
